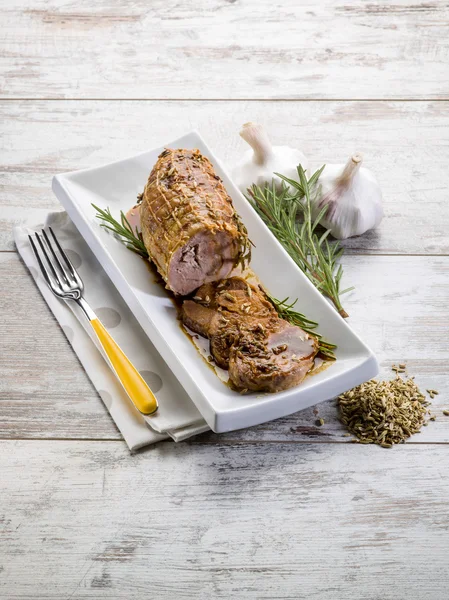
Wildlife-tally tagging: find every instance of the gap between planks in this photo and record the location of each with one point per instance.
(218, 442)
(82, 99)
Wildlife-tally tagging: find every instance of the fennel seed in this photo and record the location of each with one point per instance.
(260, 328)
(278, 349)
(384, 412)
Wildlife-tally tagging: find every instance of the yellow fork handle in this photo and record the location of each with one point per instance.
(135, 386)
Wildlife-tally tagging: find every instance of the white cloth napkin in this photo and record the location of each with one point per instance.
(177, 416)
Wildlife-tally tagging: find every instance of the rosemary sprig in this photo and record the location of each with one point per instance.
(286, 311)
(131, 238)
(289, 218)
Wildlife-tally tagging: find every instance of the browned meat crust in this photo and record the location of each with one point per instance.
(280, 360)
(260, 350)
(189, 225)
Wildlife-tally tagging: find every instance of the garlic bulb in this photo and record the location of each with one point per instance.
(353, 196)
(259, 164)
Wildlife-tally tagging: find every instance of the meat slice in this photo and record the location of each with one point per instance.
(199, 318)
(280, 359)
(189, 225)
(227, 333)
(237, 296)
(222, 329)
(222, 310)
(260, 350)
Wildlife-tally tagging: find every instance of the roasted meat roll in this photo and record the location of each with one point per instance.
(189, 225)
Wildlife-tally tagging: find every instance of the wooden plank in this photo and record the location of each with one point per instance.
(405, 144)
(44, 391)
(400, 307)
(88, 521)
(224, 49)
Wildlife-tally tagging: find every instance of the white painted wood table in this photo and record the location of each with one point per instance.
(285, 510)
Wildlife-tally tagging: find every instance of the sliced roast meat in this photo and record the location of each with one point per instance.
(280, 360)
(261, 351)
(199, 318)
(189, 225)
(227, 332)
(223, 310)
(237, 296)
(222, 329)
(206, 256)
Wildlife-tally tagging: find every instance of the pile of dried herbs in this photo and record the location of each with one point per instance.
(384, 412)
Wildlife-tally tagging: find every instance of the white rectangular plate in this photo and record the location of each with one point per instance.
(116, 186)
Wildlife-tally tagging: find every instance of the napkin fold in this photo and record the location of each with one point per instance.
(177, 417)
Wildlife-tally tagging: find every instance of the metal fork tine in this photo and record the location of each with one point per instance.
(44, 269)
(67, 260)
(56, 257)
(47, 258)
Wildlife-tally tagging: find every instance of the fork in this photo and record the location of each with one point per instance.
(65, 282)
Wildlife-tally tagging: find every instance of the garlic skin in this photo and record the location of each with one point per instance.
(258, 165)
(353, 196)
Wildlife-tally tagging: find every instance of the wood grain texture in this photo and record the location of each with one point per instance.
(84, 520)
(224, 49)
(398, 308)
(286, 510)
(405, 144)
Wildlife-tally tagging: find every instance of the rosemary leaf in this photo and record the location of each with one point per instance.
(131, 238)
(349, 289)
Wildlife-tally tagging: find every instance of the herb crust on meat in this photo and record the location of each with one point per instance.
(189, 225)
(260, 350)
